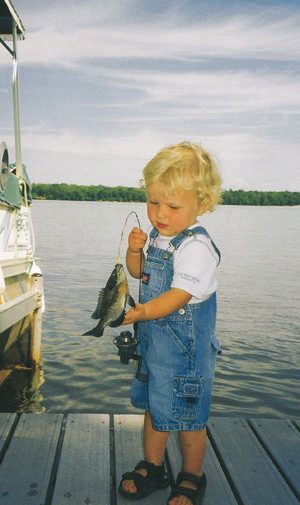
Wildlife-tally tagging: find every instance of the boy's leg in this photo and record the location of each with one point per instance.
(154, 448)
(192, 444)
(154, 442)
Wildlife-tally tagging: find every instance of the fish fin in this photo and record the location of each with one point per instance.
(131, 301)
(96, 313)
(118, 321)
(95, 332)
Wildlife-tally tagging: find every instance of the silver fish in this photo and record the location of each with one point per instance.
(112, 302)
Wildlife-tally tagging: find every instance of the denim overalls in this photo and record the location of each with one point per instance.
(178, 352)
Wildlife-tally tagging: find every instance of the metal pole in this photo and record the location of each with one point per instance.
(15, 85)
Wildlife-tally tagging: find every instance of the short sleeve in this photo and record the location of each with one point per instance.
(195, 268)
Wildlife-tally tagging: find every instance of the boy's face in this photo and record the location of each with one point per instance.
(171, 213)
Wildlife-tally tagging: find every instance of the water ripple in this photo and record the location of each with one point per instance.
(258, 311)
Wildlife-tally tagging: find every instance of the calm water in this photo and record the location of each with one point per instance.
(258, 318)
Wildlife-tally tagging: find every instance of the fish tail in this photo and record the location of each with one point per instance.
(95, 332)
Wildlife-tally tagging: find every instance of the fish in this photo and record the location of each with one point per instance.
(112, 301)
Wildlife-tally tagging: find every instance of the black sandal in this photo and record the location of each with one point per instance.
(194, 495)
(156, 478)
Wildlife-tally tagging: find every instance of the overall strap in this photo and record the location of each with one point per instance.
(189, 232)
(152, 235)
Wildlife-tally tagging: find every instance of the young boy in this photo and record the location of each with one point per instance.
(176, 319)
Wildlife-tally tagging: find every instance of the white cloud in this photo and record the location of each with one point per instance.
(245, 160)
(65, 37)
(123, 83)
(260, 162)
(91, 145)
(214, 91)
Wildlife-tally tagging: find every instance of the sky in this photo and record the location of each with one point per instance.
(105, 85)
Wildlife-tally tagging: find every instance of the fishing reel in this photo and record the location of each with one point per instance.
(126, 344)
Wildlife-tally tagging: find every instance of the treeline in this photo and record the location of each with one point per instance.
(92, 193)
(240, 197)
(126, 194)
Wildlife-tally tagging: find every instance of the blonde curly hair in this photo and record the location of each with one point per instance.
(186, 166)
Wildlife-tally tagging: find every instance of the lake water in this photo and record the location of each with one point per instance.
(258, 310)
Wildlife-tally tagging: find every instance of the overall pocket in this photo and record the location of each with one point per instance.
(181, 333)
(186, 397)
(152, 278)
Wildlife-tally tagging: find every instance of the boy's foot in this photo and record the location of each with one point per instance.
(143, 480)
(189, 489)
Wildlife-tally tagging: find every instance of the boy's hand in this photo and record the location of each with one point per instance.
(158, 307)
(136, 314)
(136, 240)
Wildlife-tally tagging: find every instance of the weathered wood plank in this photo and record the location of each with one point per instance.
(253, 474)
(282, 440)
(218, 491)
(6, 422)
(83, 475)
(129, 450)
(235, 460)
(26, 468)
(297, 423)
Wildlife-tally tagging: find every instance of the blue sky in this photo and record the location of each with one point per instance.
(105, 85)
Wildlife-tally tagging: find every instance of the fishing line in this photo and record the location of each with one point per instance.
(132, 213)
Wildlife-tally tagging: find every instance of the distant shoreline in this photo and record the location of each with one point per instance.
(73, 192)
(117, 201)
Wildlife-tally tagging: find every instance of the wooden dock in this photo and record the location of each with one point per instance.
(78, 459)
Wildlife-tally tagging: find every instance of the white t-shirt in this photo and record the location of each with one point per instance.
(195, 265)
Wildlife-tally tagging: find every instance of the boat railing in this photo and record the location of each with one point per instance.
(11, 28)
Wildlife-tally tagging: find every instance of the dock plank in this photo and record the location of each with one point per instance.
(26, 468)
(250, 470)
(282, 440)
(78, 459)
(6, 422)
(297, 423)
(129, 450)
(83, 475)
(218, 491)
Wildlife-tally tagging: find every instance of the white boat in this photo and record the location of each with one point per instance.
(21, 282)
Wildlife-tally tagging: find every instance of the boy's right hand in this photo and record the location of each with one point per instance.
(136, 240)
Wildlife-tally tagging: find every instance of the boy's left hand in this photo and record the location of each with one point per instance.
(135, 314)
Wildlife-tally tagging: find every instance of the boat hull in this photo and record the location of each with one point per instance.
(21, 293)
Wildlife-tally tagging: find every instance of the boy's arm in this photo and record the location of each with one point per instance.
(158, 307)
(135, 262)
